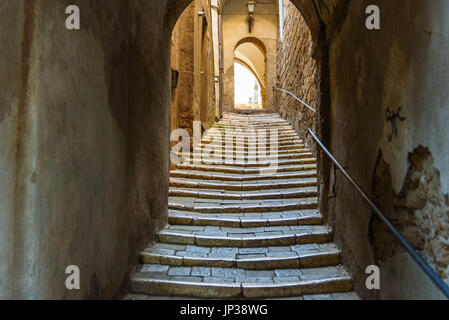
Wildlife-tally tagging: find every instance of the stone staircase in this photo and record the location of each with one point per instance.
(241, 229)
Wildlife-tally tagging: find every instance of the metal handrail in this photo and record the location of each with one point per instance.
(428, 270)
(293, 95)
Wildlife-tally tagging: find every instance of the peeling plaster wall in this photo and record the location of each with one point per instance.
(403, 65)
(420, 211)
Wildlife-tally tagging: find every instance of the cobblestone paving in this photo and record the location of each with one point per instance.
(239, 229)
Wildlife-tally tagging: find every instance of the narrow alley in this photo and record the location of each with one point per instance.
(224, 149)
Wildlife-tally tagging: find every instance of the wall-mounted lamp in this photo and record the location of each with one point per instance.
(251, 8)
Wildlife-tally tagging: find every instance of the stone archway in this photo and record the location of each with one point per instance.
(109, 144)
(250, 52)
(256, 41)
(310, 9)
(148, 124)
(323, 17)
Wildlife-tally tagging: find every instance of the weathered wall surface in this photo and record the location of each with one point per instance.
(84, 165)
(371, 72)
(149, 120)
(420, 211)
(297, 72)
(80, 152)
(204, 82)
(403, 65)
(216, 39)
(182, 60)
(91, 167)
(235, 28)
(192, 55)
(11, 101)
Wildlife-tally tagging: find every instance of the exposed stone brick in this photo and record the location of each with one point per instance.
(182, 60)
(194, 98)
(297, 72)
(420, 211)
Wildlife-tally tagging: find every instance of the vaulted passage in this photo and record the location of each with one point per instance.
(126, 144)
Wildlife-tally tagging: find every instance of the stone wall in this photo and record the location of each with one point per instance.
(216, 38)
(182, 62)
(192, 58)
(371, 75)
(149, 79)
(204, 81)
(297, 72)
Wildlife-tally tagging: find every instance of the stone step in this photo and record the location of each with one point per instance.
(263, 118)
(246, 220)
(252, 129)
(244, 156)
(279, 139)
(251, 147)
(309, 297)
(244, 163)
(280, 136)
(250, 124)
(246, 229)
(304, 152)
(173, 281)
(248, 171)
(261, 258)
(252, 139)
(306, 192)
(264, 151)
(250, 117)
(238, 186)
(254, 117)
(260, 206)
(221, 177)
(245, 125)
(254, 148)
(241, 237)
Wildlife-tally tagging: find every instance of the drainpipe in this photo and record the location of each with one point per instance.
(220, 54)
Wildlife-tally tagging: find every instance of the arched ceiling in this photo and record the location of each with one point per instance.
(252, 58)
(320, 15)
